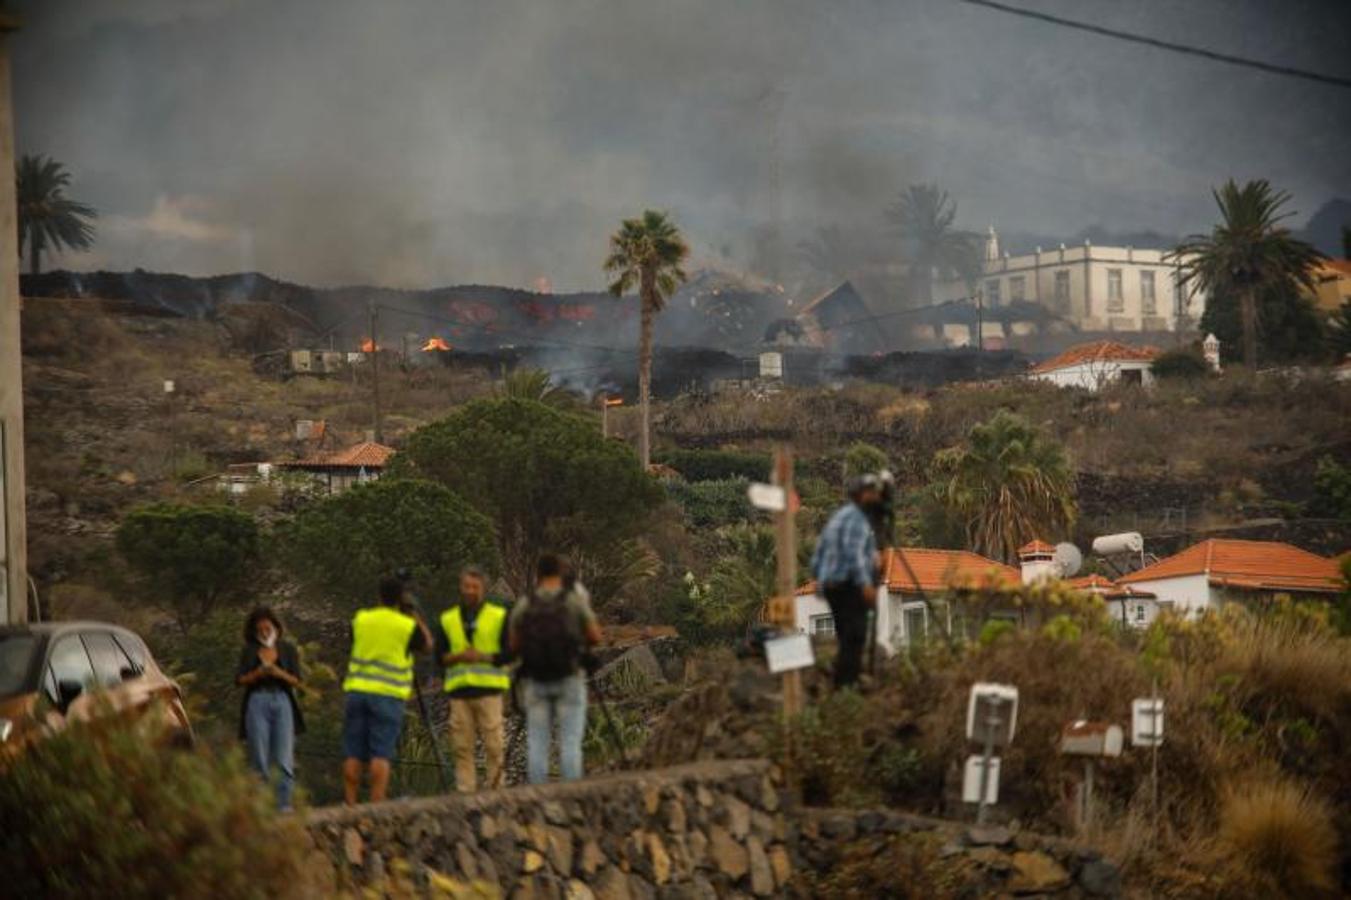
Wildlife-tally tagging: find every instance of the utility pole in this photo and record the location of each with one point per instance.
(13, 531)
(375, 372)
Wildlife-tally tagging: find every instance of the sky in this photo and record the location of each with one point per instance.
(414, 143)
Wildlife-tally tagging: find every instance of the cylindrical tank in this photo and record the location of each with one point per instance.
(1112, 544)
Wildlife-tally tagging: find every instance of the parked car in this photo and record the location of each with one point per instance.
(54, 673)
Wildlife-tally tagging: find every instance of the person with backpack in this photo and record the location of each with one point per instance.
(470, 645)
(551, 630)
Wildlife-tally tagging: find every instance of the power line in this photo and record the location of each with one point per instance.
(1165, 45)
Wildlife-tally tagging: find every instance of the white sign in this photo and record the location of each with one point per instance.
(769, 497)
(971, 780)
(168, 385)
(992, 707)
(784, 654)
(1083, 738)
(1146, 722)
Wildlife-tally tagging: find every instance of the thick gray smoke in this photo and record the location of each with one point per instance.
(425, 142)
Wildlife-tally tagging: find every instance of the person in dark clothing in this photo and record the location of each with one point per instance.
(269, 715)
(845, 568)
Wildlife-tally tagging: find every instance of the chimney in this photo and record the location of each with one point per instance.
(1037, 561)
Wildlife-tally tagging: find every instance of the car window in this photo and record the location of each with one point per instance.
(16, 661)
(108, 658)
(70, 662)
(134, 648)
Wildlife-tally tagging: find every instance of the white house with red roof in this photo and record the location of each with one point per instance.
(342, 469)
(1217, 571)
(1095, 365)
(911, 575)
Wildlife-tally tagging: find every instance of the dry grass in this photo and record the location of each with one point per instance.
(1277, 840)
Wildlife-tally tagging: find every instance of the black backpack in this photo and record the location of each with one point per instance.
(550, 639)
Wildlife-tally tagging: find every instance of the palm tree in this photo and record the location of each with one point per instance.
(48, 219)
(537, 385)
(647, 253)
(1008, 484)
(923, 216)
(1247, 254)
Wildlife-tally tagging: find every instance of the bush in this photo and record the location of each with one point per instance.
(862, 458)
(1181, 363)
(109, 811)
(1279, 841)
(1332, 484)
(344, 544)
(709, 504)
(190, 557)
(717, 465)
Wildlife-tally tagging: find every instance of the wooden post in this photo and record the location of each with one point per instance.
(375, 372)
(786, 582)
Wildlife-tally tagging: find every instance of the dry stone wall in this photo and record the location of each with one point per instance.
(702, 830)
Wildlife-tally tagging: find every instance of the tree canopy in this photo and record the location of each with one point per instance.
(342, 545)
(48, 219)
(545, 478)
(191, 557)
(923, 216)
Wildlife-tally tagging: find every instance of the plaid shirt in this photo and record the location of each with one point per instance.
(846, 550)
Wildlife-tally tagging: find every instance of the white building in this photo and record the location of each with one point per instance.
(1094, 366)
(1096, 288)
(1219, 571)
(911, 574)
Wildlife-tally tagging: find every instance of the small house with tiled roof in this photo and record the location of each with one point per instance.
(1219, 571)
(340, 470)
(911, 575)
(1095, 365)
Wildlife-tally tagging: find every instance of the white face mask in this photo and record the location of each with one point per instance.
(268, 639)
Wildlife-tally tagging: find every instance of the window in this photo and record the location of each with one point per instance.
(916, 622)
(69, 662)
(108, 658)
(1149, 305)
(1017, 289)
(1116, 301)
(992, 292)
(134, 648)
(822, 626)
(1062, 291)
(16, 661)
(1139, 612)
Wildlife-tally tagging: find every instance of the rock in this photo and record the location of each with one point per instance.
(781, 864)
(728, 855)
(487, 828)
(661, 860)
(991, 858)
(640, 889)
(554, 813)
(560, 849)
(704, 796)
(840, 828)
(738, 818)
(949, 850)
(1036, 873)
(675, 817)
(612, 885)
(698, 844)
(533, 862)
(895, 825)
(375, 868)
(1100, 878)
(651, 799)
(1024, 841)
(591, 859)
(126, 477)
(988, 835)
(762, 876)
(468, 865)
(577, 890)
(869, 821)
(761, 823)
(769, 797)
(353, 847)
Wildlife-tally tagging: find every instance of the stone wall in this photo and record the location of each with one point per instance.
(708, 829)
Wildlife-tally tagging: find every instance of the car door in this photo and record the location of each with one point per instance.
(68, 663)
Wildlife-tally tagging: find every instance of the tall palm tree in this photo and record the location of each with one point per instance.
(1247, 254)
(647, 253)
(48, 219)
(536, 384)
(923, 216)
(1008, 484)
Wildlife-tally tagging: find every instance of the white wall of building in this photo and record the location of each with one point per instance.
(898, 616)
(1139, 612)
(1094, 376)
(1189, 594)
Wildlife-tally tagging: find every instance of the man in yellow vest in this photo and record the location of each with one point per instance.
(378, 684)
(470, 645)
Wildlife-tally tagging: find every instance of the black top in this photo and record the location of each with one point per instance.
(288, 660)
(469, 618)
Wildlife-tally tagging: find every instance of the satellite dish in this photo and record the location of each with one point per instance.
(1067, 559)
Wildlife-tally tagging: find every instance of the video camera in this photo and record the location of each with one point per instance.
(408, 603)
(882, 517)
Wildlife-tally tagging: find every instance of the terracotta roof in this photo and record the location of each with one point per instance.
(1036, 548)
(366, 455)
(1097, 351)
(938, 570)
(1250, 565)
(1338, 266)
(1106, 587)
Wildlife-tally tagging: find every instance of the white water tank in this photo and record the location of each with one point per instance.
(1113, 544)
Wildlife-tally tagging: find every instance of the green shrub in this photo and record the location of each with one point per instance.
(862, 458)
(1333, 484)
(1180, 363)
(717, 465)
(111, 811)
(709, 504)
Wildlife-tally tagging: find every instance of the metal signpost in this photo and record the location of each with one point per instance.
(1147, 731)
(991, 719)
(1090, 740)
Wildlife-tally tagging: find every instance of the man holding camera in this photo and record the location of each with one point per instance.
(846, 571)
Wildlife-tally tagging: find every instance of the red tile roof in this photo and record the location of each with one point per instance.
(366, 455)
(1097, 351)
(1105, 587)
(938, 570)
(1036, 548)
(1250, 565)
(1339, 266)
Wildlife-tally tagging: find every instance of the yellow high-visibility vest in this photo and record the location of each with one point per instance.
(488, 628)
(381, 663)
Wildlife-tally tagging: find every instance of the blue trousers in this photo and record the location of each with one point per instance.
(546, 703)
(270, 736)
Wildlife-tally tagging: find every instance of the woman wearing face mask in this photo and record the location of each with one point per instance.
(269, 719)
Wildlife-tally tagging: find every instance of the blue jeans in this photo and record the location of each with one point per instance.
(270, 733)
(547, 702)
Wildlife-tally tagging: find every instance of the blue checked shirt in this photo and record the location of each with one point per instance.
(845, 550)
